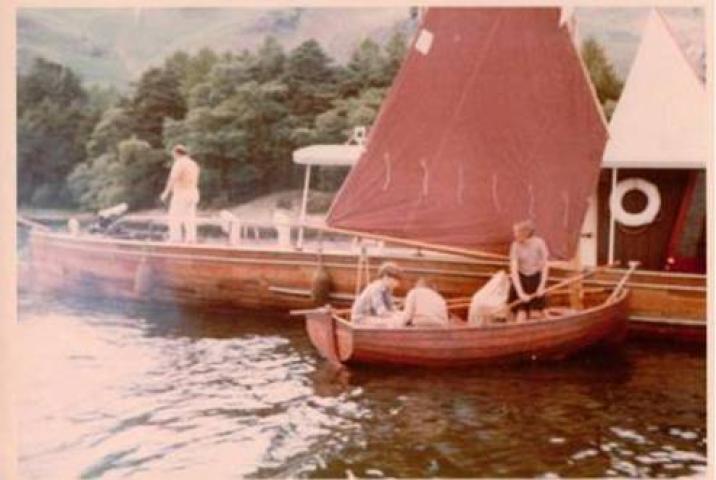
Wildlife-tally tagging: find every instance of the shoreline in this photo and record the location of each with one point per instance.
(260, 209)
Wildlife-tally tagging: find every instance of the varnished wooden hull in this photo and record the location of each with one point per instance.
(673, 331)
(341, 342)
(240, 278)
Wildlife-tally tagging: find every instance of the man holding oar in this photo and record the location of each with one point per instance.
(528, 270)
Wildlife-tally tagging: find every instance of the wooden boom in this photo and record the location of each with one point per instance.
(411, 243)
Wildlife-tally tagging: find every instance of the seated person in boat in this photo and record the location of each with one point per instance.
(424, 306)
(528, 271)
(183, 185)
(375, 304)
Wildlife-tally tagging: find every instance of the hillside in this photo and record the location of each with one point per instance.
(113, 46)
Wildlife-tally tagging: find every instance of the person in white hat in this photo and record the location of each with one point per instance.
(183, 185)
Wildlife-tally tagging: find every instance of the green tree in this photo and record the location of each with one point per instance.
(219, 145)
(99, 100)
(241, 144)
(226, 76)
(89, 182)
(191, 70)
(270, 61)
(52, 82)
(115, 125)
(156, 97)
(366, 69)
(395, 51)
(310, 79)
(51, 129)
(337, 125)
(133, 172)
(606, 82)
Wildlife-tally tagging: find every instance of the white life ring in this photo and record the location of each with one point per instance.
(646, 216)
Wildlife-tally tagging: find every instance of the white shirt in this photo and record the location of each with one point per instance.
(184, 175)
(424, 305)
(531, 255)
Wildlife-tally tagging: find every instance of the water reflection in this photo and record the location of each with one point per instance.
(110, 390)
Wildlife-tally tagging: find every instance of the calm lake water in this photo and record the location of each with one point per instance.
(121, 391)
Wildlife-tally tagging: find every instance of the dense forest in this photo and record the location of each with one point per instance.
(241, 115)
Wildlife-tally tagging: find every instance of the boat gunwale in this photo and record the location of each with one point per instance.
(467, 328)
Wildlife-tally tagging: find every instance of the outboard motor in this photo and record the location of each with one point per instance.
(107, 217)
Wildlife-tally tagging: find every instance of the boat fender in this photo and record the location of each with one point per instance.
(646, 216)
(143, 278)
(321, 285)
(231, 225)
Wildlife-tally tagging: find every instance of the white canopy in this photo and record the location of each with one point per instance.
(328, 155)
(661, 120)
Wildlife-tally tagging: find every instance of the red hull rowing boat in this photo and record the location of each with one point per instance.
(339, 341)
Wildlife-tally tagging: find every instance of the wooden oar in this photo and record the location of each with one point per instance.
(559, 285)
(411, 243)
(556, 286)
(459, 302)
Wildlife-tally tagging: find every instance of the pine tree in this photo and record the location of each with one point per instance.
(310, 80)
(606, 82)
(52, 122)
(156, 97)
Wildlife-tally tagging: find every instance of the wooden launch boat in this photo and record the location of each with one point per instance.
(562, 333)
(265, 275)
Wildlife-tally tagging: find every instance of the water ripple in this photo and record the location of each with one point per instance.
(130, 392)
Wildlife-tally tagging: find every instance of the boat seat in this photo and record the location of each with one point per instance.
(555, 312)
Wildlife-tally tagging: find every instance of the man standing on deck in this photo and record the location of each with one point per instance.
(183, 184)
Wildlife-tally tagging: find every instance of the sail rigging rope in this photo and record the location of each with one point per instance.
(495, 198)
(386, 157)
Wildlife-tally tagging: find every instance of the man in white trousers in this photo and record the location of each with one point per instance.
(183, 184)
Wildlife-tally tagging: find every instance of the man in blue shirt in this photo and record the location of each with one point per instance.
(376, 299)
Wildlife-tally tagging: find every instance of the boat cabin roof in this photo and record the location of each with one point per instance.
(662, 118)
(328, 155)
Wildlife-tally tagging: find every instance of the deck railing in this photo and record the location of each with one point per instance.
(237, 231)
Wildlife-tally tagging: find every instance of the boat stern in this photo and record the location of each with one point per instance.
(321, 329)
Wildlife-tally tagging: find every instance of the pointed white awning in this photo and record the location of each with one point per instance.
(661, 120)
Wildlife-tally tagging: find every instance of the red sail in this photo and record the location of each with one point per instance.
(490, 120)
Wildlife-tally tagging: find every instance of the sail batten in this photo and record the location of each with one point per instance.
(489, 122)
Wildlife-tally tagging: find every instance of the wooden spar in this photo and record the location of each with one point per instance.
(412, 243)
